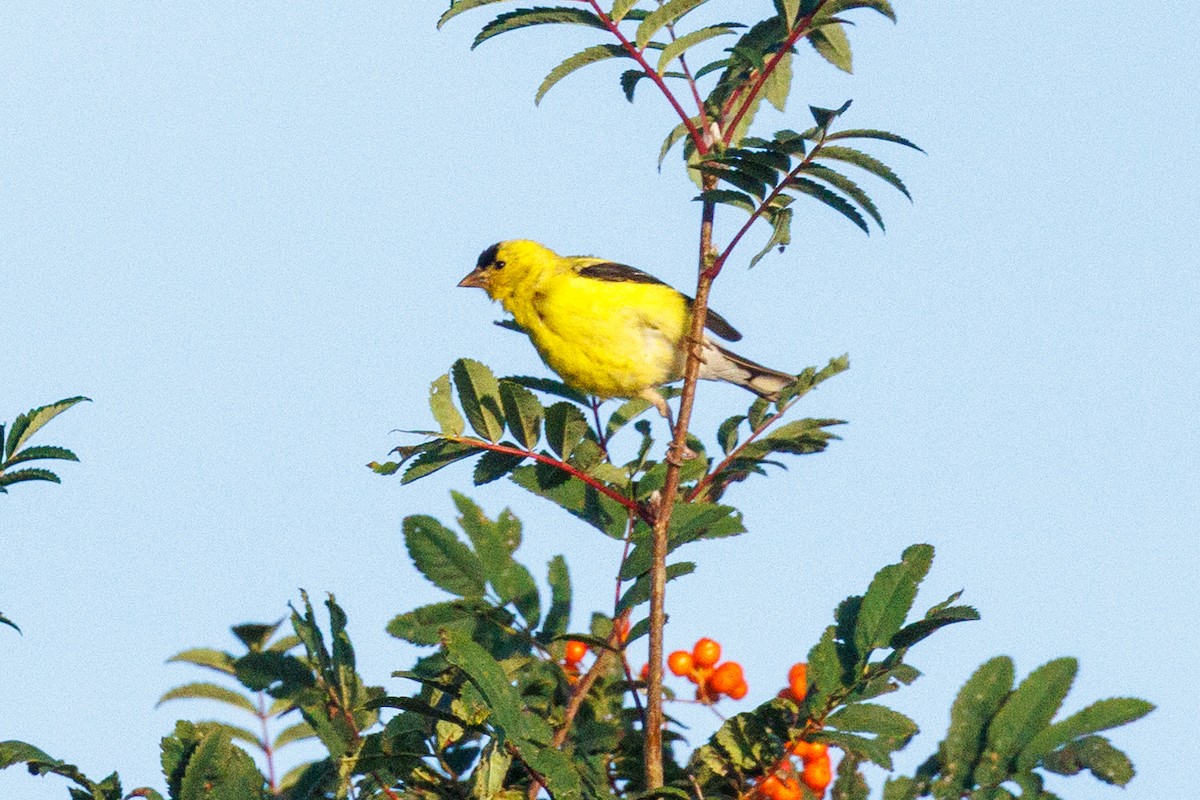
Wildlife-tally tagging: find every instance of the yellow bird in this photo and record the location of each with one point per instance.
(608, 329)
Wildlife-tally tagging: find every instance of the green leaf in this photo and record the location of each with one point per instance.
(442, 405)
(209, 691)
(847, 187)
(837, 6)
(442, 558)
(684, 43)
(976, 704)
(915, 632)
(522, 411)
(1099, 716)
(40, 452)
(867, 133)
(620, 8)
(878, 751)
(829, 198)
(493, 466)
(441, 453)
(677, 133)
(479, 394)
(506, 712)
(31, 474)
(6, 621)
(524, 17)
(781, 234)
(559, 615)
(830, 41)
(575, 497)
(778, 84)
(668, 13)
(824, 117)
(459, 6)
(730, 198)
(591, 55)
(1093, 753)
(205, 657)
(566, 427)
(217, 769)
(824, 668)
(551, 387)
(629, 82)
(873, 718)
(727, 432)
(639, 592)
(15, 752)
(27, 424)
(421, 625)
(889, 598)
(294, 733)
(1024, 715)
(863, 161)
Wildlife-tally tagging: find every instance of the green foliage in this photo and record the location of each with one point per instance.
(13, 450)
(264, 714)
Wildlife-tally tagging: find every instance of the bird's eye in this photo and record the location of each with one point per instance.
(498, 265)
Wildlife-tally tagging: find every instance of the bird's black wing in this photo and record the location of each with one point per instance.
(612, 271)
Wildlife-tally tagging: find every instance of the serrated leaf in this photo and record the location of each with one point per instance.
(1093, 753)
(863, 161)
(915, 632)
(824, 667)
(668, 13)
(442, 453)
(727, 432)
(506, 712)
(831, 199)
(459, 6)
(479, 395)
(868, 133)
(847, 187)
(837, 6)
(889, 598)
(778, 84)
(30, 474)
(442, 558)
(684, 43)
(873, 718)
(209, 691)
(620, 8)
(974, 708)
(590, 55)
(493, 466)
(1023, 716)
(566, 427)
(205, 657)
(525, 17)
(421, 625)
(559, 615)
(878, 751)
(781, 235)
(39, 452)
(830, 41)
(551, 387)
(294, 733)
(680, 131)
(29, 423)
(629, 82)
(824, 117)
(441, 403)
(1099, 716)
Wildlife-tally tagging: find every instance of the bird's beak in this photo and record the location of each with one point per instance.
(475, 280)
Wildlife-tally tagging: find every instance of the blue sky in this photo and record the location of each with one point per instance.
(237, 227)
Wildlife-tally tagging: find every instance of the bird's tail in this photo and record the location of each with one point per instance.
(719, 364)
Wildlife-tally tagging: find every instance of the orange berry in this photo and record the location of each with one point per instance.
(770, 787)
(805, 750)
(726, 677)
(576, 651)
(798, 681)
(706, 653)
(680, 662)
(789, 790)
(645, 673)
(817, 774)
(739, 691)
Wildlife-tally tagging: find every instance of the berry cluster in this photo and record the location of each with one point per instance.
(712, 679)
(816, 771)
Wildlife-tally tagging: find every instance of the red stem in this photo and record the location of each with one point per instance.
(629, 504)
(797, 32)
(652, 74)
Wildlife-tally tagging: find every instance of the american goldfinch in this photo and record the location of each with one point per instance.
(608, 329)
